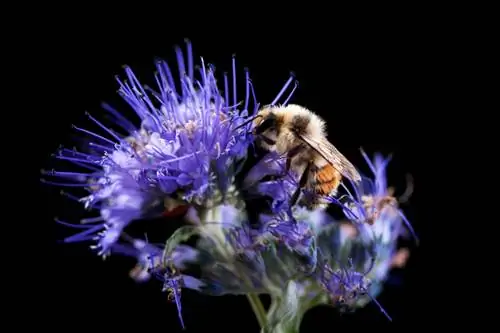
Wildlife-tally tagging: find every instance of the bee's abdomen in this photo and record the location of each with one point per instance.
(327, 180)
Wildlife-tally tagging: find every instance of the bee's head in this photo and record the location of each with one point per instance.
(265, 120)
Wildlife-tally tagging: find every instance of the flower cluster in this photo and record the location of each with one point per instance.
(191, 150)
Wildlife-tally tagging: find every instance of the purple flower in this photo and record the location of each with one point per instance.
(188, 147)
(345, 286)
(151, 262)
(280, 188)
(372, 205)
(189, 151)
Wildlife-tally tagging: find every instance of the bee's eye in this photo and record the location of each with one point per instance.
(268, 123)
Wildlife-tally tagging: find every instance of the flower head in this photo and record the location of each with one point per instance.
(188, 147)
(373, 203)
(190, 150)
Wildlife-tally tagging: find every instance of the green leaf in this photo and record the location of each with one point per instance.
(180, 235)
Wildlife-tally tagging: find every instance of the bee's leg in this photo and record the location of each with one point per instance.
(291, 154)
(302, 184)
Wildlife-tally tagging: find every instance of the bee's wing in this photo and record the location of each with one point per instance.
(333, 156)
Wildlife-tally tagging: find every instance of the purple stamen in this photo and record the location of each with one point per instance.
(120, 120)
(65, 174)
(74, 159)
(180, 62)
(103, 127)
(190, 59)
(63, 184)
(409, 226)
(369, 162)
(83, 236)
(126, 93)
(203, 74)
(91, 220)
(101, 147)
(256, 104)
(234, 80)
(74, 152)
(282, 91)
(137, 87)
(381, 308)
(226, 91)
(71, 225)
(170, 78)
(295, 86)
(93, 134)
(70, 196)
(247, 88)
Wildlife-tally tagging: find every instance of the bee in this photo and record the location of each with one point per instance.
(299, 135)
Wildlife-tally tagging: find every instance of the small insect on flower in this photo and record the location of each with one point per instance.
(298, 135)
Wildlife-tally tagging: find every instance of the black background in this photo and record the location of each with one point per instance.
(376, 86)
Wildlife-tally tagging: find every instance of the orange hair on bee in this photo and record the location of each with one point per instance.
(327, 180)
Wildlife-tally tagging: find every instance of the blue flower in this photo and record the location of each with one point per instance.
(374, 205)
(345, 286)
(190, 150)
(151, 262)
(368, 239)
(189, 146)
(279, 189)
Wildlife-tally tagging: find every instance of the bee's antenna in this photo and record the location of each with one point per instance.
(248, 121)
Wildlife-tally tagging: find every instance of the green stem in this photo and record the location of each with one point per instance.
(258, 309)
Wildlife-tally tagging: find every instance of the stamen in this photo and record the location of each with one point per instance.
(379, 306)
(83, 236)
(247, 88)
(256, 104)
(120, 119)
(65, 174)
(291, 94)
(234, 80)
(190, 58)
(70, 196)
(73, 159)
(95, 145)
(226, 91)
(63, 184)
(102, 126)
(282, 91)
(93, 134)
(91, 220)
(180, 61)
(71, 225)
(409, 226)
(170, 78)
(248, 121)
